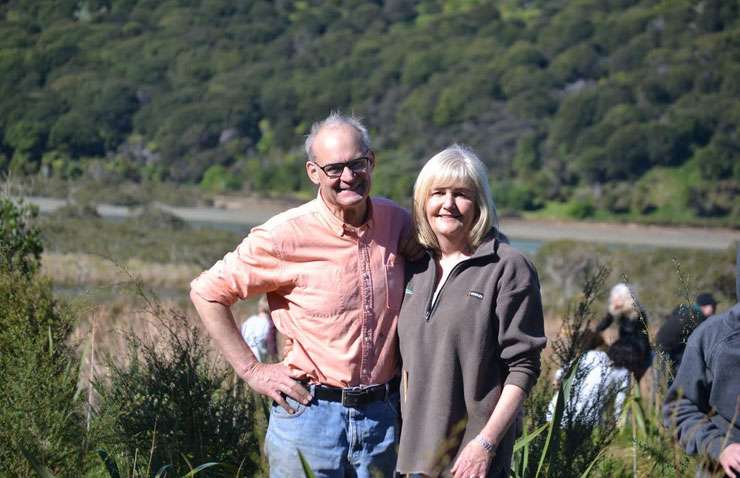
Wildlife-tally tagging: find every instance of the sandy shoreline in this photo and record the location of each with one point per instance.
(250, 211)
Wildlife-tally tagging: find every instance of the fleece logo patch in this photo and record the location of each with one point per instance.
(409, 290)
(475, 294)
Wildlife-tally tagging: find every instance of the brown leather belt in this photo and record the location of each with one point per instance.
(356, 396)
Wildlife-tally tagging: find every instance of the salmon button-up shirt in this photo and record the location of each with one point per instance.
(334, 290)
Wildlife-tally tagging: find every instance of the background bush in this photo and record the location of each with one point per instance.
(167, 401)
(40, 411)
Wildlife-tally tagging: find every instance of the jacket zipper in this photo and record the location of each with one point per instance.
(432, 306)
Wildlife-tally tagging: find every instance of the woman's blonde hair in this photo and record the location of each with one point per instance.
(454, 165)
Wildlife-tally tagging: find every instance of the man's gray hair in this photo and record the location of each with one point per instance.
(334, 119)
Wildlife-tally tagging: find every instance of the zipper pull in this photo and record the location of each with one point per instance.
(427, 314)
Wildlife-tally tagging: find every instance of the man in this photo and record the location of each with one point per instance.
(702, 406)
(334, 284)
(671, 338)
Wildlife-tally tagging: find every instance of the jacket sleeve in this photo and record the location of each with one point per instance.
(604, 323)
(254, 267)
(521, 333)
(686, 407)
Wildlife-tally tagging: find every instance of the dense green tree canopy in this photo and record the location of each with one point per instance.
(560, 98)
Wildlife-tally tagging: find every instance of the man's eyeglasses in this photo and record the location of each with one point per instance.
(335, 170)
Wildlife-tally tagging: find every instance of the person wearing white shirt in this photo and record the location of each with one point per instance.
(602, 382)
(258, 332)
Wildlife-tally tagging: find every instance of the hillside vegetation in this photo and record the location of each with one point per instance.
(587, 108)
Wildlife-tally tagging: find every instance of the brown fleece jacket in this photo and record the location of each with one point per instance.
(484, 330)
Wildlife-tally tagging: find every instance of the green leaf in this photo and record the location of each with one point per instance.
(593, 462)
(306, 468)
(553, 437)
(110, 463)
(200, 468)
(526, 439)
(161, 471)
(40, 469)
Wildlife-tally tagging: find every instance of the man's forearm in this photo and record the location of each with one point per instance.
(272, 380)
(219, 322)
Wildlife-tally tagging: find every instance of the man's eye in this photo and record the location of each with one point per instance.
(334, 169)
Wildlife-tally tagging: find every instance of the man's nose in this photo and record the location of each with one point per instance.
(347, 174)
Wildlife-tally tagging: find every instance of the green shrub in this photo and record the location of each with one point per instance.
(169, 402)
(571, 443)
(581, 208)
(39, 408)
(20, 241)
(218, 179)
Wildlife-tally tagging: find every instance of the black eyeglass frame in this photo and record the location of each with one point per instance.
(367, 157)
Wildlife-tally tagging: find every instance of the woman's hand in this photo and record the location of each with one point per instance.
(473, 461)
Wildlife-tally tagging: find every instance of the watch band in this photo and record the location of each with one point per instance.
(487, 445)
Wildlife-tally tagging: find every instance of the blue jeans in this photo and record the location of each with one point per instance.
(336, 441)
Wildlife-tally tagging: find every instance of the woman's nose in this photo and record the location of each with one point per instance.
(448, 201)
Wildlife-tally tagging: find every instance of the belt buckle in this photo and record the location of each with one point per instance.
(352, 396)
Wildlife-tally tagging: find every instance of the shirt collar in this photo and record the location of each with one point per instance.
(339, 227)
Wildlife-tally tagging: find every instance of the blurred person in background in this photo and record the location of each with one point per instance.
(470, 330)
(602, 381)
(672, 335)
(258, 332)
(632, 325)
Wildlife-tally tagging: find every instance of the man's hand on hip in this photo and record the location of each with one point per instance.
(275, 380)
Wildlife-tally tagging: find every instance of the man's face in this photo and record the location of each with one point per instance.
(708, 310)
(348, 193)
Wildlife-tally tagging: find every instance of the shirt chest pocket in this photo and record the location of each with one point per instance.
(322, 292)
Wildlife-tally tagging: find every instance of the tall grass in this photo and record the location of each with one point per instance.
(171, 401)
(570, 443)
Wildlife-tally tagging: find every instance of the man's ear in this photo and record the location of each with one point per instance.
(313, 172)
(371, 156)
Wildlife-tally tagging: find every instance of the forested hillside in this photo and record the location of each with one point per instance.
(599, 108)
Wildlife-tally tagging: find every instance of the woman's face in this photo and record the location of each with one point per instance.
(451, 211)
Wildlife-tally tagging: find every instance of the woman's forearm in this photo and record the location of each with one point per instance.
(508, 406)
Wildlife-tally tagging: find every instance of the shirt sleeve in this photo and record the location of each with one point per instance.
(253, 268)
(686, 405)
(521, 323)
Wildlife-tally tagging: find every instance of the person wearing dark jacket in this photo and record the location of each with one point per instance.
(702, 406)
(470, 330)
(632, 323)
(671, 338)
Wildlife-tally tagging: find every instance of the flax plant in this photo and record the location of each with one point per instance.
(568, 444)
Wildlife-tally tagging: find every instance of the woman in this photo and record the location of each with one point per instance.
(470, 329)
(632, 322)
